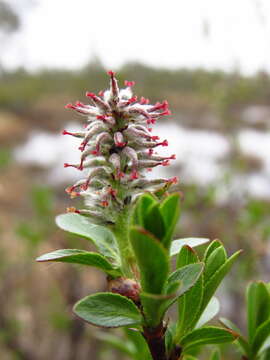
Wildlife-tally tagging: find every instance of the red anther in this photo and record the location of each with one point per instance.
(70, 106)
(119, 175)
(85, 185)
(132, 100)
(155, 137)
(82, 146)
(165, 163)
(69, 165)
(78, 103)
(144, 101)
(104, 203)
(150, 151)
(65, 132)
(173, 180)
(120, 144)
(150, 121)
(112, 192)
(95, 152)
(69, 189)
(111, 73)
(150, 129)
(166, 112)
(134, 175)
(164, 143)
(149, 169)
(173, 157)
(101, 93)
(129, 83)
(90, 94)
(101, 117)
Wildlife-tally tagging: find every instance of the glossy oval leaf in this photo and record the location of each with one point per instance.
(212, 284)
(100, 236)
(81, 257)
(188, 304)
(152, 260)
(207, 335)
(170, 211)
(258, 306)
(108, 310)
(154, 223)
(261, 335)
(188, 276)
(192, 242)
(141, 208)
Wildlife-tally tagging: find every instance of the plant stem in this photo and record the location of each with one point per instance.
(120, 230)
(155, 339)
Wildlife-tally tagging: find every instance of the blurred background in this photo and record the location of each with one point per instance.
(211, 61)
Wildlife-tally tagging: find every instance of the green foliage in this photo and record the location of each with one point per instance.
(82, 257)
(192, 284)
(207, 335)
(152, 260)
(159, 218)
(100, 236)
(108, 310)
(257, 345)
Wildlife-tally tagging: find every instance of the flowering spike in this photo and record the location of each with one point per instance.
(118, 149)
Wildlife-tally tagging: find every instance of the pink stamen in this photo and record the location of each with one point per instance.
(164, 143)
(155, 137)
(101, 93)
(165, 163)
(132, 100)
(173, 180)
(150, 121)
(129, 83)
(134, 175)
(111, 73)
(70, 106)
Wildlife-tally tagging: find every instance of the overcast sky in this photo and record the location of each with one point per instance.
(209, 33)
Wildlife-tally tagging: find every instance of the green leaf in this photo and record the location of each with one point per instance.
(188, 275)
(141, 348)
(152, 260)
(108, 310)
(241, 341)
(207, 335)
(261, 335)
(153, 222)
(101, 237)
(212, 246)
(141, 208)
(215, 355)
(258, 306)
(126, 347)
(189, 303)
(81, 257)
(210, 311)
(214, 262)
(192, 242)
(212, 284)
(170, 211)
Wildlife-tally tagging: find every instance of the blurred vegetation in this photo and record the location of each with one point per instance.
(35, 314)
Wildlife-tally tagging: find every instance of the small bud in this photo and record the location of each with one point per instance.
(125, 287)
